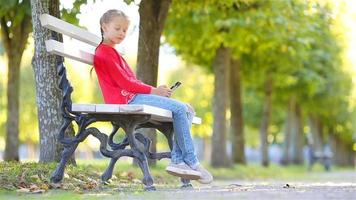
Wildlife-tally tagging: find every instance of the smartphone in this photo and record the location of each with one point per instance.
(176, 85)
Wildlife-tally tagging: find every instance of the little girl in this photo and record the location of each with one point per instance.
(119, 85)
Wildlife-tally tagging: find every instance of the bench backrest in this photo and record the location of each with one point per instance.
(67, 50)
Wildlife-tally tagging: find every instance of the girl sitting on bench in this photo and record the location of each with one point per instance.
(119, 85)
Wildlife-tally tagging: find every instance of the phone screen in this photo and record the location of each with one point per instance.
(176, 85)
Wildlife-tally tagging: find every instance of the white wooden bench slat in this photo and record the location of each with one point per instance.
(158, 114)
(66, 28)
(60, 49)
(107, 108)
(84, 108)
(131, 108)
(196, 120)
(145, 109)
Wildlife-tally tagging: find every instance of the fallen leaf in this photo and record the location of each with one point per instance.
(136, 181)
(38, 191)
(35, 177)
(23, 175)
(130, 175)
(22, 185)
(23, 190)
(78, 190)
(90, 185)
(44, 187)
(33, 187)
(55, 185)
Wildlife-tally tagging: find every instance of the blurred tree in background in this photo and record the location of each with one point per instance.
(15, 27)
(15, 21)
(290, 58)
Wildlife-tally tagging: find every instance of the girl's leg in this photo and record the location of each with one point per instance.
(176, 153)
(183, 147)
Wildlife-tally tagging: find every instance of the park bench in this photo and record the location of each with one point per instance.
(127, 117)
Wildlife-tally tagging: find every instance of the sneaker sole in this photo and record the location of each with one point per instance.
(183, 173)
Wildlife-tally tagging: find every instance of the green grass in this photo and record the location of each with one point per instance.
(252, 171)
(19, 180)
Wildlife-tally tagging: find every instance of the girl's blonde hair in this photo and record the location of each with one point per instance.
(108, 16)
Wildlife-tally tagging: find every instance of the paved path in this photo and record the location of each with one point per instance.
(335, 185)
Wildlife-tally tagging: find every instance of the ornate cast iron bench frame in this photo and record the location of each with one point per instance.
(127, 117)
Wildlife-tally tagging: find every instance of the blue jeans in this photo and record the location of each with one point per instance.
(183, 147)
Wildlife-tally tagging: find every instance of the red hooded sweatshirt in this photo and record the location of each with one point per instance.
(117, 81)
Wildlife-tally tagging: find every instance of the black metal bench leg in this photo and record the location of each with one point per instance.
(147, 143)
(147, 178)
(57, 175)
(129, 125)
(68, 150)
(140, 155)
(70, 145)
(108, 172)
(142, 161)
(115, 154)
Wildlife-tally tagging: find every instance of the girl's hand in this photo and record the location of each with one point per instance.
(162, 90)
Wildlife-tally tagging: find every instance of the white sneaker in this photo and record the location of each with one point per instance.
(206, 176)
(184, 171)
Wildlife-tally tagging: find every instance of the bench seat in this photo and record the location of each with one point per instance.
(157, 114)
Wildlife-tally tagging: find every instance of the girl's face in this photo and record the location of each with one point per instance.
(115, 30)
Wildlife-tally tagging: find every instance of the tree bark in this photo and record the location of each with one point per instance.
(288, 131)
(265, 121)
(297, 138)
(315, 139)
(221, 68)
(153, 14)
(237, 123)
(12, 123)
(48, 95)
(343, 154)
(14, 39)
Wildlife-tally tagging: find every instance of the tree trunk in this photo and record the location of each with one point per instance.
(343, 153)
(265, 121)
(288, 131)
(12, 123)
(48, 95)
(221, 68)
(315, 139)
(237, 123)
(152, 17)
(14, 39)
(297, 141)
(207, 149)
